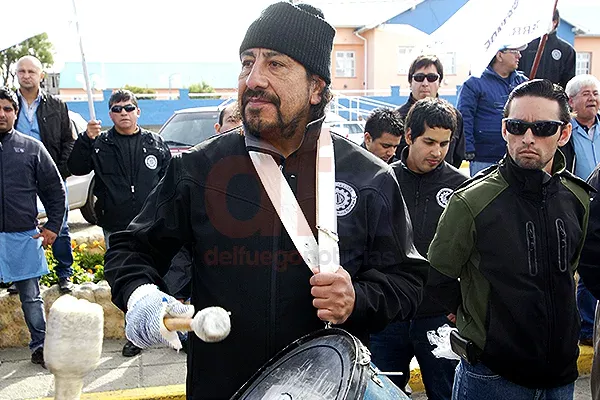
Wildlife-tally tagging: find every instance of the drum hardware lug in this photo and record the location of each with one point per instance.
(374, 377)
(364, 355)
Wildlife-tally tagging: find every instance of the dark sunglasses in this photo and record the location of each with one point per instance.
(118, 109)
(538, 128)
(430, 77)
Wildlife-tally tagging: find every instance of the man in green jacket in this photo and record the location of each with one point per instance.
(513, 236)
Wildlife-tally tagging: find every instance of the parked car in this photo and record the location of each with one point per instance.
(80, 189)
(188, 127)
(351, 130)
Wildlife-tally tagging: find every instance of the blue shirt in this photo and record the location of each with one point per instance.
(587, 150)
(27, 122)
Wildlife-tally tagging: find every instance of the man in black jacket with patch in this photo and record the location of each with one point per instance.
(558, 59)
(128, 163)
(244, 259)
(46, 118)
(427, 182)
(425, 76)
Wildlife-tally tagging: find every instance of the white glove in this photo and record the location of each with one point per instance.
(146, 308)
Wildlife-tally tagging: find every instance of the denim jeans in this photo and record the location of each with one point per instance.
(393, 348)
(61, 248)
(476, 166)
(479, 382)
(33, 310)
(586, 303)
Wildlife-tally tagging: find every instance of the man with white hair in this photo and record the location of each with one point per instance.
(584, 148)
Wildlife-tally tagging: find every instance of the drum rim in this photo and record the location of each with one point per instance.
(358, 373)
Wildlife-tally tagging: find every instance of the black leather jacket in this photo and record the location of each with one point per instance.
(55, 130)
(245, 261)
(120, 192)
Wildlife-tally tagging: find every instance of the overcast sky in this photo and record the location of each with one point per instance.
(192, 30)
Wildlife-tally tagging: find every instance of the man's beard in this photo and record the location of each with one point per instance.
(257, 127)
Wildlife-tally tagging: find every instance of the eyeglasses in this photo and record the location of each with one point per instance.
(512, 51)
(118, 109)
(430, 77)
(538, 128)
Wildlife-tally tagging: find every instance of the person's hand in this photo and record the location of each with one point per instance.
(94, 127)
(48, 237)
(452, 318)
(146, 308)
(470, 156)
(333, 294)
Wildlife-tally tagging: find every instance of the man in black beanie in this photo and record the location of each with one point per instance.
(244, 258)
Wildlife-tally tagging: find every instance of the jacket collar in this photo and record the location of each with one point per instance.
(531, 181)
(309, 141)
(7, 135)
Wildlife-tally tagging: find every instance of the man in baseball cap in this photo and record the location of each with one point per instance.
(245, 259)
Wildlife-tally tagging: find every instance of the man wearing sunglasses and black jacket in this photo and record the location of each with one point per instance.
(128, 162)
(424, 76)
(513, 236)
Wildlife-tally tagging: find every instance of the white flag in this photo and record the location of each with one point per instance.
(482, 27)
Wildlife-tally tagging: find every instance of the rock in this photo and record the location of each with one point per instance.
(14, 333)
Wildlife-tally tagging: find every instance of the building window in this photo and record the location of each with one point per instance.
(345, 64)
(583, 65)
(405, 58)
(448, 62)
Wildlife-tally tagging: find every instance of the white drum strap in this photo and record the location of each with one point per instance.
(324, 255)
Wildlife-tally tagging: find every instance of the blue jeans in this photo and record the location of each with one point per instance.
(61, 248)
(394, 347)
(476, 166)
(33, 310)
(477, 381)
(586, 303)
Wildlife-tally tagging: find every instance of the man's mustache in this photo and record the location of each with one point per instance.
(259, 94)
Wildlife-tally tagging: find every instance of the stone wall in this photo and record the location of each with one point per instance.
(14, 333)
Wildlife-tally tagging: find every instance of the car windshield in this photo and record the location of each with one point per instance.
(189, 129)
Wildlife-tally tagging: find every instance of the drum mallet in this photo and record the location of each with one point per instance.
(211, 324)
(73, 344)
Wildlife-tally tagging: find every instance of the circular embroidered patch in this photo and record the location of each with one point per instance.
(345, 198)
(556, 54)
(151, 161)
(443, 196)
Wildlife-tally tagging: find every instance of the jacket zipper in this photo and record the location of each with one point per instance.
(121, 161)
(531, 248)
(549, 288)
(562, 245)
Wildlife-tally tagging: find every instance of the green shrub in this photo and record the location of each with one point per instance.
(88, 264)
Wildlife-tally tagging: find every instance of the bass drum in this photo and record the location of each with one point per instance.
(329, 364)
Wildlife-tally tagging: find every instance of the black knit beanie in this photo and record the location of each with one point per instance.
(299, 31)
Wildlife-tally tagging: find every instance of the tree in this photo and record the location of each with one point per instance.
(38, 46)
(201, 87)
(139, 90)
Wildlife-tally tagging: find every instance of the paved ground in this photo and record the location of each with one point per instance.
(20, 379)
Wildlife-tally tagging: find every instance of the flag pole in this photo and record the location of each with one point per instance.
(88, 88)
(540, 50)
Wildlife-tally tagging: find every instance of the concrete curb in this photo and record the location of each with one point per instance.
(173, 392)
(177, 392)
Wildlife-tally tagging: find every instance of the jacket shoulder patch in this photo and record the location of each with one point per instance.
(345, 198)
(443, 196)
